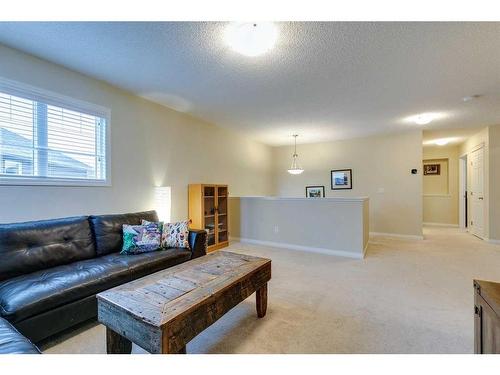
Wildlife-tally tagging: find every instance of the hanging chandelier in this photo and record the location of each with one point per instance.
(295, 167)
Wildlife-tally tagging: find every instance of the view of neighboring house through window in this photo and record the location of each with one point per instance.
(41, 141)
(13, 167)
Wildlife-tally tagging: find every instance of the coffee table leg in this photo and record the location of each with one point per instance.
(261, 299)
(117, 344)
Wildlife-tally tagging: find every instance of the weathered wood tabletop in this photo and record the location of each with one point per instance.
(162, 312)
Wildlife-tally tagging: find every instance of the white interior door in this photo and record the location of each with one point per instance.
(476, 194)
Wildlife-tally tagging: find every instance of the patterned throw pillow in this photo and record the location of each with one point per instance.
(141, 238)
(174, 234)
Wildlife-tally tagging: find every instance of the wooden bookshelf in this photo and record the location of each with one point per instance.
(208, 209)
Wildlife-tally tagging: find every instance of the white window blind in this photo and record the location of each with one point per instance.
(49, 140)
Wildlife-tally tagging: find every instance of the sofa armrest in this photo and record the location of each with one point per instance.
(12, 342)
(197, 242)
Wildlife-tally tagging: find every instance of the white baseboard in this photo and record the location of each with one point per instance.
(440, 225)
(341, 253)
(396, 235)
(496, 242)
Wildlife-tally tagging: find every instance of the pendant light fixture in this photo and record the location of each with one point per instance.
(295, 168)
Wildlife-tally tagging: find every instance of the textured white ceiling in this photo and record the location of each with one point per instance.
(324, 81)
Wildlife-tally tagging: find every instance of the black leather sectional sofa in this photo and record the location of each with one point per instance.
(12, 342)
(51, 270)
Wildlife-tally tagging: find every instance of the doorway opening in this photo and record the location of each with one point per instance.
(455, 193)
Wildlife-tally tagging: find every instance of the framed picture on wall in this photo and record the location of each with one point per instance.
(315, 191)
(432, 169)
(341, 179)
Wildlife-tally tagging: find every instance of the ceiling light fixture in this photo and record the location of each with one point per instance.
(442, 142)
(295, 167)
(424, 118)
(251, 39)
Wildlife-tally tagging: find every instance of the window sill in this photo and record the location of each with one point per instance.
(28, 181)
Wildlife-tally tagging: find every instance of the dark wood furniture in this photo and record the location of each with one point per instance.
(162, 312)
(486, 317)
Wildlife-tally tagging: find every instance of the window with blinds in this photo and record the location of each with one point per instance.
(42, 140)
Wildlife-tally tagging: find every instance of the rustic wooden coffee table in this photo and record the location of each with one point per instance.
(162, 312)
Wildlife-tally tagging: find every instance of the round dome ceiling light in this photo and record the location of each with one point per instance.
(251, 38)
(442, 142)
(424, 118)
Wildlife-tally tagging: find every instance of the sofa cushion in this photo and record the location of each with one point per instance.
(12, 342)
(107, 229)
(35, 293)
(37, 245)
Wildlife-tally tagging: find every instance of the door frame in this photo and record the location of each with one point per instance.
(462, 192)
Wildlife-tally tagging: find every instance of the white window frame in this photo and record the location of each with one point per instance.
(23, 90)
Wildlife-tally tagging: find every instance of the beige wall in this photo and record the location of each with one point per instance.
(381, 170)
(337, 226)
(481, 137)
(151, 145)
(441, 192)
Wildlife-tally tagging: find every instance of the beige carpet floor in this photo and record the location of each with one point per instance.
(406, 296)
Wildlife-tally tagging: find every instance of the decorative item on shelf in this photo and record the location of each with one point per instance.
(315, 191)
(295, 168)
(432, 169)
(341, 179)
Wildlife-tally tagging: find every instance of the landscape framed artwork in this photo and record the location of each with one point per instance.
(315, 191)
(341, 179)
(432, 169)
